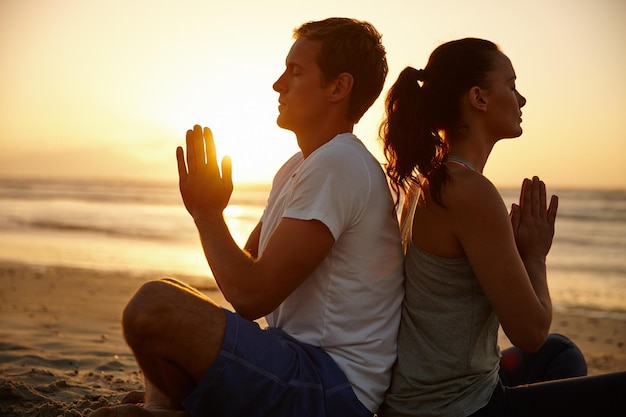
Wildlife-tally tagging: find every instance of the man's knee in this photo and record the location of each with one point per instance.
(161, 308)
(148, 308)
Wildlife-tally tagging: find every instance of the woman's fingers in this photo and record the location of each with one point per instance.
(536, 199)
(533, 200)
(526, 198)
(552, 209)
(542, 197)
(515, 217)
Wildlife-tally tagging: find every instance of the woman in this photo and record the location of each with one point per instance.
(470, 266)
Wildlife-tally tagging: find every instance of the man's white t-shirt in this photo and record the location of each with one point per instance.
(350, 305)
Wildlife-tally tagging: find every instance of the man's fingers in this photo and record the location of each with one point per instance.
(200, 149)
(227, 173)
(182, 169)
(211, 153)
(198, 145)
(191, 153)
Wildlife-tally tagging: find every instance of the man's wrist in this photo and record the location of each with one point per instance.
(208, 218)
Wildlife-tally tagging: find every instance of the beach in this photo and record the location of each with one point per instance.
(72, 253)
(61, 347)
(63, 354)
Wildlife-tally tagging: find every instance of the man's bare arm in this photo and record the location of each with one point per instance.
(254, 286)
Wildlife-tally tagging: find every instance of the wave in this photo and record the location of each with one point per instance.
(140, 233)
(604, 216)
(148, 233)
(604, 268)
(116, 191)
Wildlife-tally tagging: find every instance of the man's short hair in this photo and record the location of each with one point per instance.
(352, 46)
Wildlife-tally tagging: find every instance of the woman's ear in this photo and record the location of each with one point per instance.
(477, 98)
(342, 86)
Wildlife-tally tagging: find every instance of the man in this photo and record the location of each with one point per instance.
(324, 264)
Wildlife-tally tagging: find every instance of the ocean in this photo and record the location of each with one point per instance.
(143, 227)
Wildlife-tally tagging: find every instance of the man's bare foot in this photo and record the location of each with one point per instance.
(132, 410)
(134, 397)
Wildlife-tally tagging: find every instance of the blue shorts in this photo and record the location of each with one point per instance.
(269, 373)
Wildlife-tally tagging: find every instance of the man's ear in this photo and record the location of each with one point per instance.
(478, 98)
(342, 86)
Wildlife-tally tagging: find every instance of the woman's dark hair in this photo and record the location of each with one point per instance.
(417, 115)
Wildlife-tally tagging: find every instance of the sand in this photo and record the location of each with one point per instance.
(62, 352)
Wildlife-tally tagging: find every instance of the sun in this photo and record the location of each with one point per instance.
(245, 132)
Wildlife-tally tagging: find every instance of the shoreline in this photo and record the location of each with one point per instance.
(62, 351)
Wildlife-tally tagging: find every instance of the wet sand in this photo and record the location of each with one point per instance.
(62, 352)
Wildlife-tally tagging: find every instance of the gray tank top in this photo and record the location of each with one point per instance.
(448, 355)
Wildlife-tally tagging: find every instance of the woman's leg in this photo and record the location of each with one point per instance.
(600, 395)
(551, 383)
(558, 358)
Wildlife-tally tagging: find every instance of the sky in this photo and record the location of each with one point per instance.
(106, 89)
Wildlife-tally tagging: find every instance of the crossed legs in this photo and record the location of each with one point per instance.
(175, 333)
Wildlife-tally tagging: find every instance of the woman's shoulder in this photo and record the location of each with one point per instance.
(471, 191)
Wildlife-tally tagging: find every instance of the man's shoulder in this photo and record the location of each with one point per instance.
(290, 165)
(345, 152)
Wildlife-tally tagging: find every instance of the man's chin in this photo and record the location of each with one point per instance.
(280, 121)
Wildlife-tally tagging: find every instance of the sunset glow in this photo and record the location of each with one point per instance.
(108, 89)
